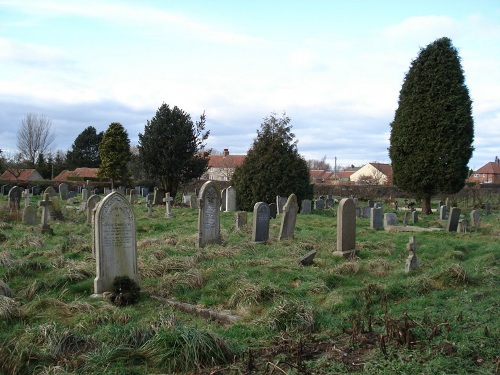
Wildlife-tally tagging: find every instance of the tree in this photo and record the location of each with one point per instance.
(114, 150)
(172, 148)
(34, 137)
(433, 129)
(85, 150)
(272, 167)
(319, 164)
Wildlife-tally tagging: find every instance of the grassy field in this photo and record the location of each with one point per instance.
(336, 316)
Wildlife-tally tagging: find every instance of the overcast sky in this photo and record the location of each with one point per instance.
(335, 67)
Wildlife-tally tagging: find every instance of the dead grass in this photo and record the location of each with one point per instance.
(5, 290)
(349, 268)
(9, 308)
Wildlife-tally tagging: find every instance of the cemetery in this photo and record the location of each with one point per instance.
(135, 282)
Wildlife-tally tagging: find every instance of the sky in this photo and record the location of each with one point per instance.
(334, 67)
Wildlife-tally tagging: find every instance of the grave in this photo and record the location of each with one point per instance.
(319, 204)
(193, 202)
(487, 208)
(443, 214)
(64, 191)
(45, 204)
(91, 204)
(376, 218)
(290, 211)
(15, 194)
(230, 199)
(241, 219)
(390, 219)
(223, 195)
(453, 219)
(414, 217)
(29, 215)
(475, 218)
(371, 204)
(308, 259)
(412, 260)
(273, 210)
(115, 242)
(346, 228)
(280, 203)
(463, 226)
(366, 213)
(158, 196)
(305, 206)
(261, 217)
(208, 215)
(132, 196)
(168, 206)
(329, 202)
(51, 192)
(407, 217)
(26, 195)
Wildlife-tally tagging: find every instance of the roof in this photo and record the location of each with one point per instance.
(24, 175)
(386, 169)
(489, 168)
(226, 161)
(81, 173)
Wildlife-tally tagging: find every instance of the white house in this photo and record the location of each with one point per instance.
(373, 174)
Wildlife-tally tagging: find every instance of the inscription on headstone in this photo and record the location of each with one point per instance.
(453, 219)
(261, 216)
(208, 215)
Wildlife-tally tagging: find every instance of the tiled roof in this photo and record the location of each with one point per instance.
(24, 175)
(386, 169)
(78, 172)
(226, 161)
(490, 168)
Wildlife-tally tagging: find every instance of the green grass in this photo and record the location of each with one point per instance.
(362, 315)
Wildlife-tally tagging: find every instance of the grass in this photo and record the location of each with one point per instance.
(358, 315)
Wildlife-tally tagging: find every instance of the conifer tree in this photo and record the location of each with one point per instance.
(433, 129)
(114, 150)
(272, 167)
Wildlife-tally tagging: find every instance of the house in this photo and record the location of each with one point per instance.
(319, 176)
(487, 174)
(79, 174)
(222, 167)
(21, 175)
(373, 174)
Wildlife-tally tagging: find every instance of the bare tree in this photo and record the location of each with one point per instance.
(34, 137)
(319, 164)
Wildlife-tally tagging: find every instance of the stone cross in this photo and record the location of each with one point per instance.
(45, 204)
(26, 196)
(168, 205)
(411, 261)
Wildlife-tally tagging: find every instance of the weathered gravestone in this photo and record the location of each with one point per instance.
(463, 226)
(308, 259)
(15, 199)
(367, 210)
(359, 211)
(51, 192)
(376, 218)
(85, 196)
(390, 219)
(273, 210)
(305, 206)
(261, 216)
(26, 195)
(414, 217)
(231, 199)
(412, 260)
(443, 214)
(453, 219)
(346, 228)
(475, 218)
(371, 204)
(223, 195)
(145, 191)
(290, 211)
(64, 191)
(91, 204)
(329, 202)
(45, 203)
(208, 215)
(29, 215)
(378, 205)
(132, 196)
(280, 203)
(6, 189)
(487, 208)
(115, 242)
(158, 196)
(193, 201)
(319, 204)
(240, 219)
(168, 205)
(407, 217)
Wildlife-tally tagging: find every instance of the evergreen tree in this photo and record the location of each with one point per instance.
(433, 129)
(85, 150)
(114, 150)
(171, 148)
(272, 167)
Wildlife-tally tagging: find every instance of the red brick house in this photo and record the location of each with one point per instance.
(222, 167)
(487, 174)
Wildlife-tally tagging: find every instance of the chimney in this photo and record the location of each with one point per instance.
(225, 152)
(496, 160)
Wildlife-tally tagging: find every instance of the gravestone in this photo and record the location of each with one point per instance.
(290, 211)
(407, 217)
(208, 215)
(346, 228)
(55, 209)
(158, 196)
(367, 210)
(359, 211)
(193, 201)
(390, 219)
(355, 200)
(487, 208)
(132, 196)
(280, 203)
(475, 218)
(261, 217)
(378, 205)
(6, 189)
(223, 194)
(230, 199)
(145, 191)
(115, 242)
(273, 210)
(241, 219)
(91, 204)
(64, 191)
(308, 259)
(85, 195)
(463, 226)
(197, 192)
(71, 194)
(329, 202)
(26, 195)
(45, 204)
(36, 190)
(127, 192)
(149, 198)
(371, 204)
(15, 194)
(107, 190)
(453, 219)
(168, 206)
(319, 204)
(51, 192)
(305, 206)
(443, 214)
(439, 204)
(376, 218)
(29, 215)
(414, 217)
(412, 260)
(149, 205)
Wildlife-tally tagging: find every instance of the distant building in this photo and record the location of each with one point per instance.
(21, 175)
(79, 174)
(373, 174)
(487, 174)
(222, 167)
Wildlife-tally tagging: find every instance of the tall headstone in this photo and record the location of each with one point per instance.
(29, 215)
(319, 204)
(407, 217)
(411, 261)
(414, 217)
(115, 242)
(241, 219)
(376, 218)
(261, 216)
(85, 195)
(158, 196)
(64, 191)
(91, 204)
(475, 218)
(193, 201)
(45, 204)
(280, 203)
(346, 228)
(290, 211)
(132, 196)
(223, 195)
(371, 204)
(305, 206)
(15, 194)
(487, 208)
(168, 205)
(453, 219)
(273, 210)
(208, 215)
(443, 214)
(231, 199)
(26, 195)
